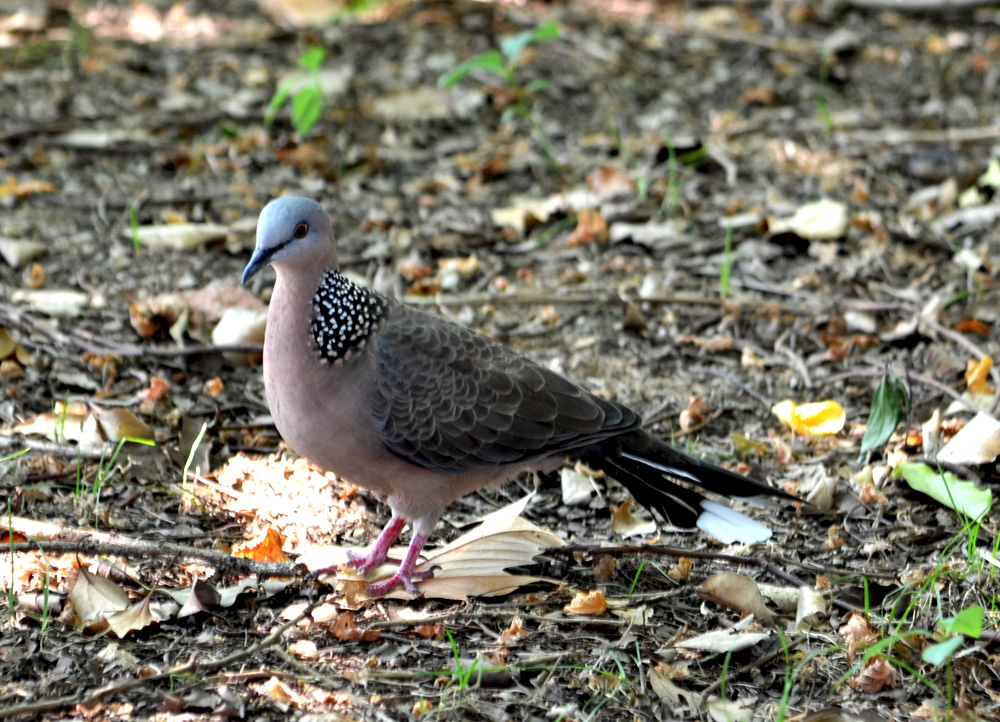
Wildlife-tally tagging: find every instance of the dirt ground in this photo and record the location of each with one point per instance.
(592, 223)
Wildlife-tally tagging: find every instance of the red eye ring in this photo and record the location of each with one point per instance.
(301, 229)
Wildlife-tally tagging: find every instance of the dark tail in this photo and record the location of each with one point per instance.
(641, 463)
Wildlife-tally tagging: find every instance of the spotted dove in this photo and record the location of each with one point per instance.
(421, 410)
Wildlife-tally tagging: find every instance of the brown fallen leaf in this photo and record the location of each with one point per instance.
(877, 675)
(738, 592)
(590, 228)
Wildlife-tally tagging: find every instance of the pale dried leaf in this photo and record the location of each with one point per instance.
(137, 616)
(176, 236)
(978, 442)
(736, 592)
(95, 597)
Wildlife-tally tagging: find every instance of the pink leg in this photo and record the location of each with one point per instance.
(366, 562)
(404, 574)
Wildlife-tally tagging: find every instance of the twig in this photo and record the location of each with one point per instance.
(92, 343)
(191, 668)
(53, 538)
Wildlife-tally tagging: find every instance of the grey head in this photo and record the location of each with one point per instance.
(294, 232)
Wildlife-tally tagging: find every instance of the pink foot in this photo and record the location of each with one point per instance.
(364, 563)
(404, 575)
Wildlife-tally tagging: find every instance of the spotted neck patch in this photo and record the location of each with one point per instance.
(344, 316)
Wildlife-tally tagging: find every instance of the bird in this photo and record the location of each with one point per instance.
(422, 410)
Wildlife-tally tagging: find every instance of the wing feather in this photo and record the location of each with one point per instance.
(453, 400)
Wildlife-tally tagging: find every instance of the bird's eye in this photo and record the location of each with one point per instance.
(301, 229)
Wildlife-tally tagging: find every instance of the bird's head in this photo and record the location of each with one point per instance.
(294, 232)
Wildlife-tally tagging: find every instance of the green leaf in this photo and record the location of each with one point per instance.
(306, 110)
(536, 85)
(968, 622)
(963, 496)
(889, 407)
(545, 31)
(512, 45)
(991, 178)
(277, 101)
(491, 61)
(938, 654)
(312, 58)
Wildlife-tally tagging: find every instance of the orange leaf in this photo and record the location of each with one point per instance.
(266, 547)
(589, 603)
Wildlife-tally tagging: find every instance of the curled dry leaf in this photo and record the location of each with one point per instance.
(117, 424)
(736, 592)
(135, 617)
(590, 228)
(304, 649)
(857, 634)
(201, 597)
(811, 609)
(590, 603)
(976, 374)
(627, 524)
(345, 630)
(695, 413)
(978, 442)
(515, 630)
(681, 571)
(877, 675)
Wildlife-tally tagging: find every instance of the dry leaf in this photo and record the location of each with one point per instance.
(819, 417)
(590, 228)
(201, 597)
(822, 220)
(94, 598)
(811, 610)
(976, 374)
(135, 617)
(117, 424)
(877, 675)
(590, 604)
(857, 634)
(695, 413)
(726, 640)
(345, 630)
(736, 592)
(978, 442)
(265, 547)
(681, 571)
(661, 678)
(627, 524)
(176, 236)
(608, 181)
(472, 565)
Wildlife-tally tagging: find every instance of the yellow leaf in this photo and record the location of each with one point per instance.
(817, 417)
(976, 375)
